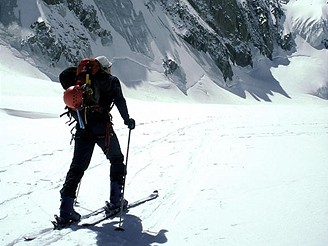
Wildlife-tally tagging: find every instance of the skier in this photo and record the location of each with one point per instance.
(98, 130)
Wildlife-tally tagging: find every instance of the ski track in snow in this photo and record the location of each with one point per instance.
(230, 175)
(228, 158)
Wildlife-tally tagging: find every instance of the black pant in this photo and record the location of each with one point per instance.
(85, 140)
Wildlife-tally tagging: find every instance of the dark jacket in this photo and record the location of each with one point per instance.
(107, 89)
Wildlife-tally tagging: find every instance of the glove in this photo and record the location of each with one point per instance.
(130, 123)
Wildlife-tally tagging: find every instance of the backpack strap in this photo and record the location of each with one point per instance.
(109, 133)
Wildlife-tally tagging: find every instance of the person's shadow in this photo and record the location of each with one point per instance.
(132, 235)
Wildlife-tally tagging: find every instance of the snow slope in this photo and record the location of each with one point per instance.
(309, 19)
(142, 35)
(243, 172)
(236, 175)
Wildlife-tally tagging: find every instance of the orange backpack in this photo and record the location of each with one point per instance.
(87, 68)
(80, 93)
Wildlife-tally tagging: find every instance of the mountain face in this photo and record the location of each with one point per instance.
(228, 29)
(150, 35)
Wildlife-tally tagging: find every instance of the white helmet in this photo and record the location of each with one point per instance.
(104, 62)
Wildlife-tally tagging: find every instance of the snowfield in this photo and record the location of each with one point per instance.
(231, 170)
(253, 174)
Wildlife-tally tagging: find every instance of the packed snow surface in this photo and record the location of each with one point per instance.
(241, 174)
(230, 170)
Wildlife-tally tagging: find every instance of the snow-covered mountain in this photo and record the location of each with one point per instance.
(192, 45)
(230, 171)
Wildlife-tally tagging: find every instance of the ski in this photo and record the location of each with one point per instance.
(31, 237)
(86, 217)
(105, 216)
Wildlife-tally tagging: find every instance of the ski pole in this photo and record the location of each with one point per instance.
(126, 166)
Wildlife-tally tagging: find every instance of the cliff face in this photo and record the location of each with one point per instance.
(225, 29)
(228, 29)
(150, 32)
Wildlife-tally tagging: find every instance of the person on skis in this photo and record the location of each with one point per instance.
(98, 130)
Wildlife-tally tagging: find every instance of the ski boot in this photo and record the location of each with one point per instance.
(114, 206)
(67, 214)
